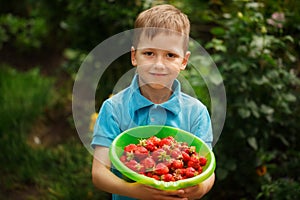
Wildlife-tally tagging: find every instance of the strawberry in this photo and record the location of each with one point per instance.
(130, 148)
(200, 169)
(176, 153)
(177, 164)
(161, 169)
(148, 163)
(185, 156)
(190, 172)
(180, 171)
(168, 162)
(151, 175)
(168, 141)
(177, 177)
(191, 150)
(194, 162)
(135, 166)
(140, 168)
(167, 177)
(156, 177)
(123, 159)
(202, 160)
(148, 144)
(140, 152)
(131, 164)
(155, 140)
(160, 155)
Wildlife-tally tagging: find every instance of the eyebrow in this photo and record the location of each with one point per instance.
(152, 49)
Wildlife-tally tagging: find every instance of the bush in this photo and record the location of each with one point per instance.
(257, 60)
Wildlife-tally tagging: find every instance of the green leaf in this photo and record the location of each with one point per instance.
(290, 97)
(252, 142)
(244, 113)
(266, 109)
(218, 31)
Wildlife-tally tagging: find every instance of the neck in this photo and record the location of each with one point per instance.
(157, 96)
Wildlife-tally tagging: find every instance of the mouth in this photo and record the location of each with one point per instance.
(158, 74)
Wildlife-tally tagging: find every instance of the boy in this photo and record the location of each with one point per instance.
(159, 53)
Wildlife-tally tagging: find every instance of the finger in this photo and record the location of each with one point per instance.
(166, 195)
(189, 191)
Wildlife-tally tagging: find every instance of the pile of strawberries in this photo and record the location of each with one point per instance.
(163, 159)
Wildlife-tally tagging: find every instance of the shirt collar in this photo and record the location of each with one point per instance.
(138, 101)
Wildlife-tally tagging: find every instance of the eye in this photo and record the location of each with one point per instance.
(171, 55)
(148, 53)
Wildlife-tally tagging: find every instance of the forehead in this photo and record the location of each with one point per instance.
(163, 41)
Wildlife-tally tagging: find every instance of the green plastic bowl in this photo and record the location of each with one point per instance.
(133, 135)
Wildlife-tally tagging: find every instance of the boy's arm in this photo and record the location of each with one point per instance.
(105, 180)
(102, 177)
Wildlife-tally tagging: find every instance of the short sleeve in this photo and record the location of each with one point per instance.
(202, 127)
(106, 126)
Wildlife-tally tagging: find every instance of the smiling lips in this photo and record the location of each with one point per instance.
(158, 74)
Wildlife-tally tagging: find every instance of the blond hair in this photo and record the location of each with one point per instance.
(162, 18)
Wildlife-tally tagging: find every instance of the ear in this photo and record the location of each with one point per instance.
(133, 59)
(185, 60)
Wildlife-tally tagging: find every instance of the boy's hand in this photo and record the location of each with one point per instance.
(193, 192)
(198, 191)
(145, 192)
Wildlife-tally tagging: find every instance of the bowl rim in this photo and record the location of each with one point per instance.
(118, 165)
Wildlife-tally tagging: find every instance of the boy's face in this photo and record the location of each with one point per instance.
(159, 60)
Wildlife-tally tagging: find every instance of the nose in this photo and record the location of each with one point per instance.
(159, 62)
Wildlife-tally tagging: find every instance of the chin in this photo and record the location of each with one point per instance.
(158, 86)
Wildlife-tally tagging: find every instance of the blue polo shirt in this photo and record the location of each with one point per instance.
(129, 108)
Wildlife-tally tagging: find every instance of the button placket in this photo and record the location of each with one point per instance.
(157, 115)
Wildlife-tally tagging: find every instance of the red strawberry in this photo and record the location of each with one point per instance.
(131, 164)
(200, 169)
(177, 164)
(161, 169)
(151, 175)
(168, 162)
(156, 177)
(140, 168)
(180, 171)
(190, 172)
(177, 177)
(135, 166)
(160, 155)
(167, 141)
(176, 153)
(123, 159)
(130, 148)
(148, 163)
(194, 162)
(167, 177)
(148, 144)
(185, 156)
(191, 150)
(155, 140)
(140, 152)
(202, 160)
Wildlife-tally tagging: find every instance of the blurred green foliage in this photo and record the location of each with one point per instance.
(255, 45)
(23, 97)
(55, 173)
